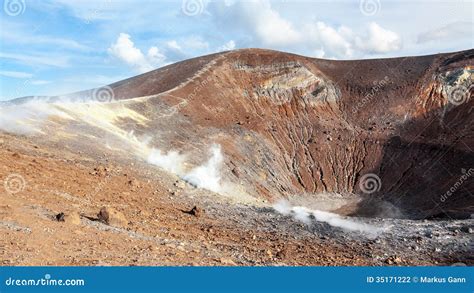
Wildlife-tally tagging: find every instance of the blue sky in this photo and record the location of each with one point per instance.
(58, 46)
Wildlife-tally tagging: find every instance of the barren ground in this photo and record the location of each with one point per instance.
(226, 232)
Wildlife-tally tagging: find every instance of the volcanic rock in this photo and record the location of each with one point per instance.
(393, 260)
(195, 211)
(112, 217)
(100, 171)
(60, 217)
(71, 218)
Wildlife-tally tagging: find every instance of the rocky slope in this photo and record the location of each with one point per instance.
(386, 138)
(292, 125)
(50, 214)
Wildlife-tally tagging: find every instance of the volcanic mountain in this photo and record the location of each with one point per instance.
(247, 157)
(395, 134)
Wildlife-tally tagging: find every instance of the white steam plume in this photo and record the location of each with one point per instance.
(26, 119)
(172, 161)
(305, 215)
(32, 116)
(207, 176)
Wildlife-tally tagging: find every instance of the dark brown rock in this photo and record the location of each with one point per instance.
(112, 217)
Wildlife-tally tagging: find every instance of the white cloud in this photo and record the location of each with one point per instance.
(266, 25)
(93, 10)
(19, 37)
(230, 45)
(124, 49)
(30, 34)
(155, 56)
(196, 43)
(93, 79)
(269, 29)
(33, 60)
(173, 45)
(173, 51)
(318, 53)
(282, 25)
(333, 42)
(453, 30)
(15, 74)
(40, 82)
(379, 40)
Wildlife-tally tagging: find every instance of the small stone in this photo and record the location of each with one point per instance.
(393, 260)
(134, 183)
(195, 211)
(466, 229)
(70, 218)
(236, 172)
(73, 218)
(112, 217)
(280, 254)
(180, 184)
(227, 261)
(144, 213)
(60, 217)
(100, 171)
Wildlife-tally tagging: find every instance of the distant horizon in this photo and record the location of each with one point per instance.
(55, 47)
